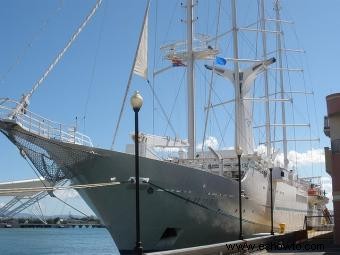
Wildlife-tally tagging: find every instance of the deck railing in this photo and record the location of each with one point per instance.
(41, 126)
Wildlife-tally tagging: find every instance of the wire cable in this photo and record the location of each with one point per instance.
(211, 81)
(94, 67)
(196, 203)
(22, 54)
(71, 206)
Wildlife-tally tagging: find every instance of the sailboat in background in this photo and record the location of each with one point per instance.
(192, 198)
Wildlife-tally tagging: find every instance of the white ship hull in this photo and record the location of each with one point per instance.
(183, 204)
(210, 216)
(180, 206)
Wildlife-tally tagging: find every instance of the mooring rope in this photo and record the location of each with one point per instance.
(38, 189)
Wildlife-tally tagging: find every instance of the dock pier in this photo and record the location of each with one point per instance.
(297, 242)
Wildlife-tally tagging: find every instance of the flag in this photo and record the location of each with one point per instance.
(220, 61)
(177, 62)
(141, 62)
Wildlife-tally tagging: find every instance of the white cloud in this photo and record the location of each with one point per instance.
(211, 141)
(313, 156)
(297, 159)
(166, 149)
(261, 149)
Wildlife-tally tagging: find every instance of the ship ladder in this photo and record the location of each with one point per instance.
(327, 215)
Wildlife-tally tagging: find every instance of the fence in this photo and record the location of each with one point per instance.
(41, 126)
(318, 225)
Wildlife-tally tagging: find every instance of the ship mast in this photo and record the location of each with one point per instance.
(190, 82)
(283, 111)
(236, 77)
(266, 86)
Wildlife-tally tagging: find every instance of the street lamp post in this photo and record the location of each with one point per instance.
(136, 103)
(271, 202)
(239, 153)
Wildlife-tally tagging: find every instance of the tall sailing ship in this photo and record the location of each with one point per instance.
(191, 197)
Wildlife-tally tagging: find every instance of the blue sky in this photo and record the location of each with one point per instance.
(90, 79)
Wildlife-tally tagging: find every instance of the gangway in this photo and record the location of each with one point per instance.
(22, 201)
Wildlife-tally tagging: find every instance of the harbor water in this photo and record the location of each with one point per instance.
(61, 241)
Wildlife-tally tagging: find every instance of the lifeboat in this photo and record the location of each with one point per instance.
(313, 192)
(316, 196)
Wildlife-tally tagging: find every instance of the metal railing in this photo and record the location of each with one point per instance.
(319, 222)
(41, 126)
(297, 183)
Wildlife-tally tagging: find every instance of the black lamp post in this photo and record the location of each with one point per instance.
(239, 153)
(271, 202)
(136, 103)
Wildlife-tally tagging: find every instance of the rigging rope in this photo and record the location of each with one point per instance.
(211, 80)
(31, 210)
(162, 109)
(42, 214)
(62, 182)
(68, 45)
(291, 103)
(94, 67)
(314, 106)
(155, 63)
(130, 76)
(29, 44)
(24, 101)
(71, 206)
(174, 104)
(223, 106)
(22, 153)
(218, 126)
